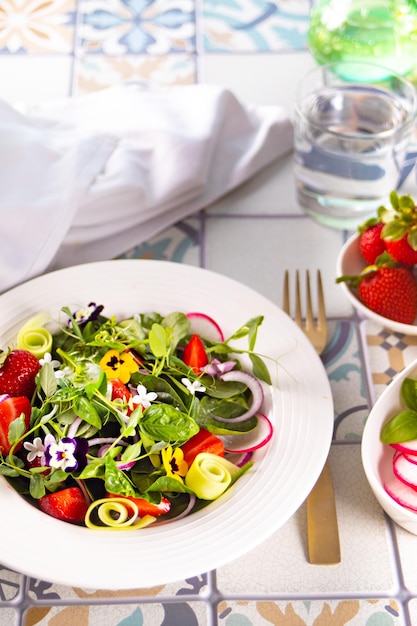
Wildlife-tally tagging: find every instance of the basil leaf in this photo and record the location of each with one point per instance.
(116, 481)
(409, 393)
(166, 483)
(162, 422)
(402, 427)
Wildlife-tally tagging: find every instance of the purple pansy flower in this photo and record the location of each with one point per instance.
(68, 454)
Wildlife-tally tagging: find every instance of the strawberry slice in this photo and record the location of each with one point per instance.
(11, 409)
(194, 354)
(18, 372)
(68, 505)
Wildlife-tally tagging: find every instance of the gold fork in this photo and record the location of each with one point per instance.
(322, 529)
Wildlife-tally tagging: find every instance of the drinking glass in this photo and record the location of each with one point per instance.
(351, 140)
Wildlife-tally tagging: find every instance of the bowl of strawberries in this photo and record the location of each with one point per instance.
(377, 267)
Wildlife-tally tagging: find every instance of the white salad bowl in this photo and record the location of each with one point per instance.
(377, 457)
(257, 505)
(351, 263)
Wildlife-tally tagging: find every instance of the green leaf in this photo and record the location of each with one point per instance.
(115, 480)
(406, 202)
(401, 427)
(132, 452)
(260, 370)
(158, 340)
(17, 429)
(85, 409)
(394, 200)
(394, 231)
(94, 469)
(163, 422)
(168, 484)
(36, 486)
(412, 239)
(47, 380)
(409, 393)
(178, 324)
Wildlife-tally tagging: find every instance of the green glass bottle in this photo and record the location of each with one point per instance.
(380, 31)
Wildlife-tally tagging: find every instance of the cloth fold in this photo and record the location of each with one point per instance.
(87, 178)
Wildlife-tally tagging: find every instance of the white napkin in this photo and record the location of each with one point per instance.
(88, 178)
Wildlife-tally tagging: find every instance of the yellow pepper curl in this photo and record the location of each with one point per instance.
(210, 475)
(117, 514)
(34, 337)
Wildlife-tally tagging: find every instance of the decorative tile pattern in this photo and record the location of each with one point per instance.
(316, 613)
(145, 26)
(344, 369)
(388, 353)
(258, 25)
(99, 71)
(35, 26)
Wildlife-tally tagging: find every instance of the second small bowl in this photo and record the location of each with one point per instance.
(377, 456)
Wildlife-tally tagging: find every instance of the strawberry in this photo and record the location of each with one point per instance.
(194, 354)
(401, 251)
(11, 409)
(119, 391)
(68, 505)
(390, 292)
(371, 245)
(18, 372)
(400, 229)
(387, 288)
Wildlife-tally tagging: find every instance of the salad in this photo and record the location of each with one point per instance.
(121, 423)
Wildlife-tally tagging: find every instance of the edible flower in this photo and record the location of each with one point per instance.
(89, 313)
(37, 448)
(118, 365)
(67, 454)
(193, 386)
(173, 462)
(143, 397)
(217, 368)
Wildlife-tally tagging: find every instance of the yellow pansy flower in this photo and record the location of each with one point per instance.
(174, 464)
(119, 365)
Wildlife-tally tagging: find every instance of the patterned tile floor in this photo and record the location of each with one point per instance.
(256, 48)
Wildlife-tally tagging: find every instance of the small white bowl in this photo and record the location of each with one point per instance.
(351, 263)
(377, 457)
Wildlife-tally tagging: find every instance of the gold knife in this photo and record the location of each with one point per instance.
(322, 529)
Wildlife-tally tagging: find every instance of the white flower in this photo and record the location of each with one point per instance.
(93, 371)
(192, 386)
(47, 358)
(144, 398)
(37, 448)
(67, 371)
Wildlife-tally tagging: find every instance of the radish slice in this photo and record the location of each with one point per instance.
(264, 423)
(401, 493)
(410, 447)
(205, 326)
(404, 470)
(254, 386)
